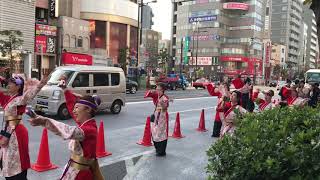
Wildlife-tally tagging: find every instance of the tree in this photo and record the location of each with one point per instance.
(123, 57)
(11, 40)
(277, 70)
(315, 7)
(164, 56)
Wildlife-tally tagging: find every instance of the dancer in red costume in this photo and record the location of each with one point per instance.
(266, 103)
(83, 164)
(221, 91)
(14, 152)
(230, 111)
(159, 128)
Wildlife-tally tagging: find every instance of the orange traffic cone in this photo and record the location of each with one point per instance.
(100, 146)
(177, 131)
(202, 124)
(146, 140)
(43, 162)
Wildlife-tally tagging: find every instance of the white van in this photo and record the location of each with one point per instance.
(108, 83)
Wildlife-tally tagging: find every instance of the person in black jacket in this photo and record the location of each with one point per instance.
(314, 95)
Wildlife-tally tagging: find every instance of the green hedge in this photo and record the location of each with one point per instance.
(277, 144)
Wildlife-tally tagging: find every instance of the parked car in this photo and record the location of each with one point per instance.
(131, 86)
(107, 82)
(280, 84)
(201, 83)
(273, 83)
(174, 81)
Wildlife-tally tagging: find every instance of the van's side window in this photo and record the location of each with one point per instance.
(82, 80)
(100, 79)
(115, 79)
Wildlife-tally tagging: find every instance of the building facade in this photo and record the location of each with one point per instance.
(278, 55)
(310, 40)
(147, 16)
(224, 37)
(22, 19)
(286, 26)
(149, 48)
(113, 26)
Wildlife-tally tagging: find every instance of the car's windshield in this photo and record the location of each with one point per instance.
(313, 77)
(58, 75)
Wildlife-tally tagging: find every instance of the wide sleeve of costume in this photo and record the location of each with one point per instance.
(71, 100)
(3, 99)
(153, 95)
(31, 91)
(238, 83)
(63, 130)
(212, 90)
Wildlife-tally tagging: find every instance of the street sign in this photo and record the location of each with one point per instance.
(186, 49)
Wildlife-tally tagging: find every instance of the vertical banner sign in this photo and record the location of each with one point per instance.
(52, 8)
(186, 50)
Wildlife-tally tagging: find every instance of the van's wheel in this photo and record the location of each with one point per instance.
(133, 89)
(63, 112)
(116, 107)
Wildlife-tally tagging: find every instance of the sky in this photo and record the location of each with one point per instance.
(162, 11)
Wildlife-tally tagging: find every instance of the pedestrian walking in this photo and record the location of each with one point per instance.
(314, 95)
(14, 152)
(231, 110)
(83, 164)
(159, 119)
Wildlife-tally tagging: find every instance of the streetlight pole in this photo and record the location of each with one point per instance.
(181, 55)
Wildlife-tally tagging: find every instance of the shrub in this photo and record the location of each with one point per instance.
(276, 144)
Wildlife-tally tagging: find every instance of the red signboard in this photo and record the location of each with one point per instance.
(268, 52)
(80, 59)
(236, 5)
(41, 43)
(46, 30)
(234, 58)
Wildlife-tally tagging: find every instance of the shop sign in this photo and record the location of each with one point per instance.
(52, 8)
(46, 30)
(236, 6)
(201, 61)
(41, 43)
(51, 45)
(202, 18)
(79, 59)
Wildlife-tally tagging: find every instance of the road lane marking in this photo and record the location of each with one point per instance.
(184, 99)
(190, 110)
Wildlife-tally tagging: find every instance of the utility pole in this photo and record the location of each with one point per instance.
(181, 57)
(197, 54)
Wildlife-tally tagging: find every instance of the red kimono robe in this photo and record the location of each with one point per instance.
(15, 157)
(214, 92)
(154, 95)
(83, 139)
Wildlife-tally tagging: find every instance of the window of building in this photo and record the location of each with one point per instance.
(273, 50)
(41, 15)
(283, 16)
(101, 79)
(80, 42)
(267, 11)
(282, 50)
(282, 59)
(284, 1)
(82, 80)
(73, 42)
(284, 8)
(115, 79)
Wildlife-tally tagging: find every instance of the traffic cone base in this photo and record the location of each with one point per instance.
(101, 149)
(201, 130)
(177, 131)
(146, 139)
(43, 162)
(40, 168)
(103, 154)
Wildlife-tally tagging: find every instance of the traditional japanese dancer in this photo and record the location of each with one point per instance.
(266, 103)
(231, 110)
(14, 151)
(159, 126)
(83, 164)
(222, 91)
